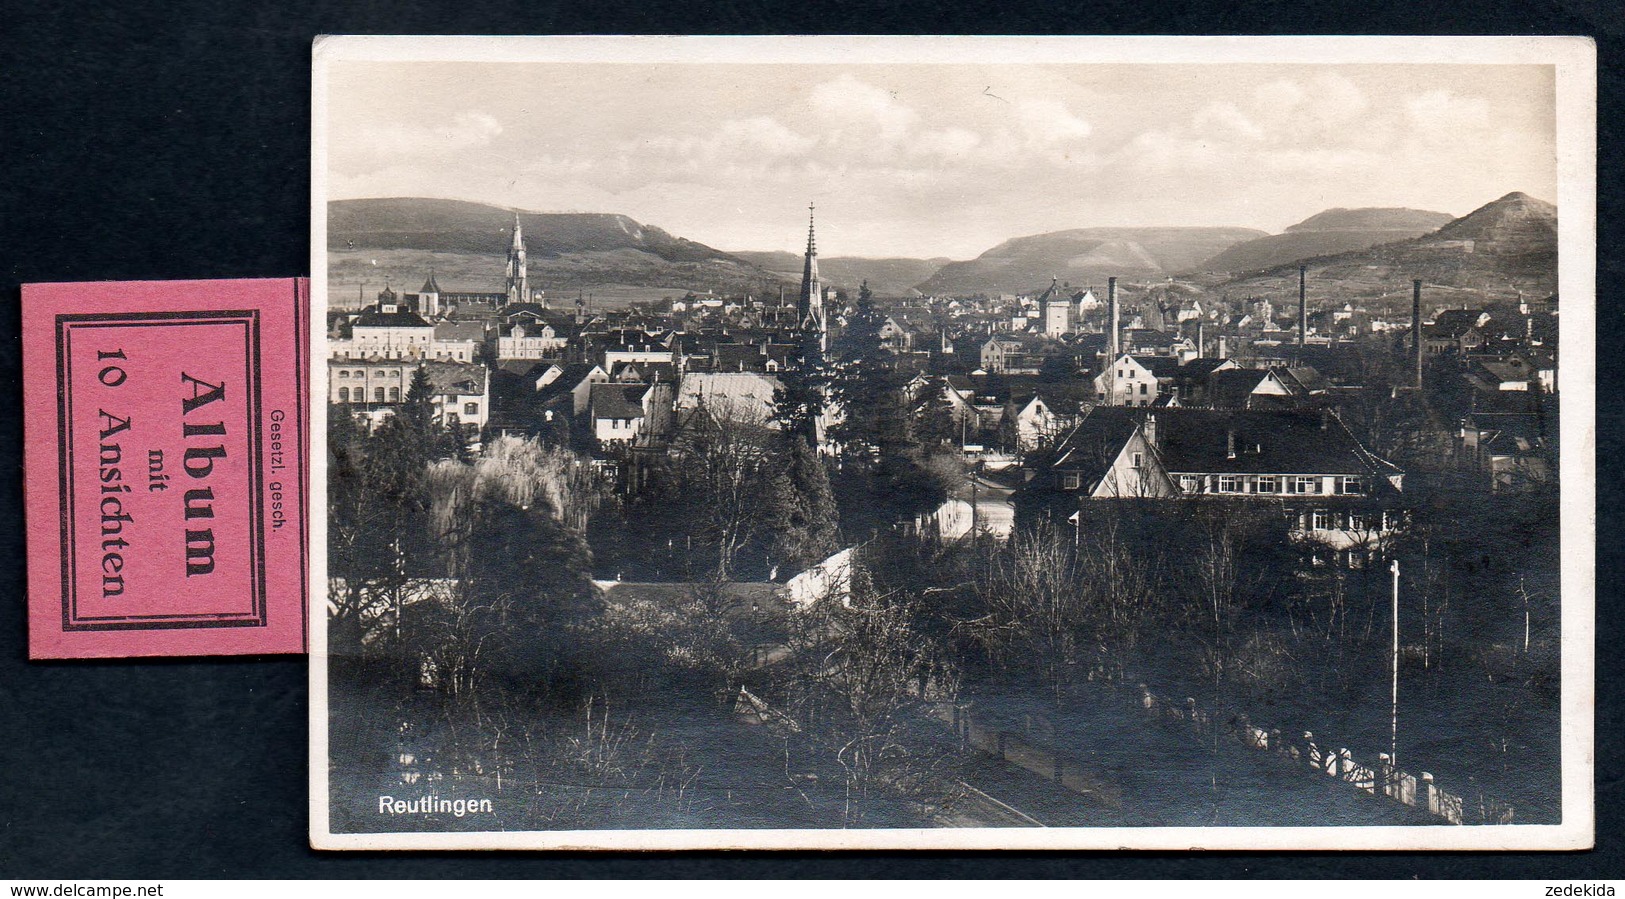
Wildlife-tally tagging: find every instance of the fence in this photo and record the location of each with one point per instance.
(1015, 749)
(1382, 779)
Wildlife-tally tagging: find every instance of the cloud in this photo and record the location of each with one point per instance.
(1443, 111)
(1335, 100)
(1278, 98)
(1050, 121)
(946, 143)
(764, 134)
(1226, 119)
(848, 100)
(465, 131)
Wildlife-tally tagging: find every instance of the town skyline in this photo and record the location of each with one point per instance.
(928, 161)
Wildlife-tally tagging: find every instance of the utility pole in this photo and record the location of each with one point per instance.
(1393, 725)
(973, 504)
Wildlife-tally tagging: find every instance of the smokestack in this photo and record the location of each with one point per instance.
(1416, 327)
(1224, 349)
(1303, 308)
(1201, 339)
(1111, 319)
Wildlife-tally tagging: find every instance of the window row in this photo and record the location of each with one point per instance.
(1344, 485)
(1340, 520)
(359, 395)
(390, 373)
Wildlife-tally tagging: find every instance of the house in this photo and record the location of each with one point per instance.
(386, 332)
(1493, 375)
(456, 341)
(568, 388)
(903, 332)
(1455, 331)
(1514, 450)
(529, 338)
(1191, 379)
(1005, 354)
(619, 411)
(1275, 387)
(763, 356)
(747, 397)
(1153, 342)
(976, 404)
(1032, 419)
(982, 404)
(461, 393)
(1337, 494)
(368, 382)
(1137, 380)
(635, 349)
(645, 373)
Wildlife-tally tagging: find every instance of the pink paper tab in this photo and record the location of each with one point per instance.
(166, 467)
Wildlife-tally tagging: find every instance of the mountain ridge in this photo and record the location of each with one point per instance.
(1329, 232)
(890, 276)
(1504, 247)
(565, 250)
(1085, 256)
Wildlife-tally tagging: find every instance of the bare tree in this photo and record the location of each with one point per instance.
(724, 465)
(859, 681)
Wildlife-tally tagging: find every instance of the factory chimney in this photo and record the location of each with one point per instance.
(1111, 319)
(1201, 339)
(1416, 328)
(1303, 309)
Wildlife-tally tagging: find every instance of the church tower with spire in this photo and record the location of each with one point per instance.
(810, 305)
(518, 287)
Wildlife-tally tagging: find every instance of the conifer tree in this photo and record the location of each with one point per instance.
(803, 509)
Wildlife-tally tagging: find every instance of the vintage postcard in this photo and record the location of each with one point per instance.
(166, 468)
(931, 442)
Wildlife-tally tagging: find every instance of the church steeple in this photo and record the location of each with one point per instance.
(429, 297)
(518, 286)
(810, 305)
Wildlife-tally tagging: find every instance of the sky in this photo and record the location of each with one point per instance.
(940, 160)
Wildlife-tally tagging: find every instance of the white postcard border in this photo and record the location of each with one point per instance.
(1574, 60)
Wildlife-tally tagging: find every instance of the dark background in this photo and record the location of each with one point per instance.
(148, 142)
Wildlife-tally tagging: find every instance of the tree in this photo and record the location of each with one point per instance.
(884, 476)
(363, 569)
(803, 395)
(536, 577)
(711, 491)
(935, 421)
(859, 681)
(380, 537)
(803, 511)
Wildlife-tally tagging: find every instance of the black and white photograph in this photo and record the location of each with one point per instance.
(973, 443)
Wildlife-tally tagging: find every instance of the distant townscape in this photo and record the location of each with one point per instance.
(1107, 526)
